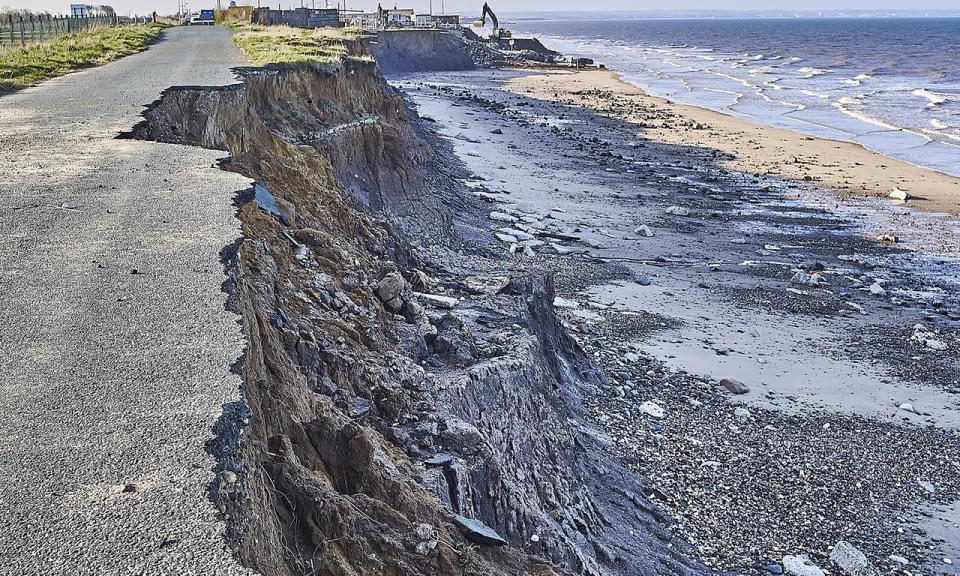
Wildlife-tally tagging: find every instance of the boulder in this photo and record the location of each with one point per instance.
(478, 532)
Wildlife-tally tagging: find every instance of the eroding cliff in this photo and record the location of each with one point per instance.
(400, 380)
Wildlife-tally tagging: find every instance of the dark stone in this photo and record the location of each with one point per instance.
(478, 532)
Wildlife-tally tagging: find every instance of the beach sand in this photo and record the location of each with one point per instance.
(847, 168)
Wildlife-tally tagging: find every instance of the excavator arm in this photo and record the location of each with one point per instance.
(493, 18)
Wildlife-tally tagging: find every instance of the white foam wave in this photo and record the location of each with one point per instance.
(934, 98)
(810, 72)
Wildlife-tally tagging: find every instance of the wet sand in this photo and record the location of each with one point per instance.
(845, 167)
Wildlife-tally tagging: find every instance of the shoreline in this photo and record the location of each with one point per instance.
(752, 148)
(676, 272)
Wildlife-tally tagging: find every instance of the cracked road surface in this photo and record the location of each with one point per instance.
(115, 346)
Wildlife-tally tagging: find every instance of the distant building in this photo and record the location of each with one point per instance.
(79, 10)
(446, 21)
(424, 20)
(397, 18)
(367, 21)
(298, 18)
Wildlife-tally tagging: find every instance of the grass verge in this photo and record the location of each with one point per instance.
(26, 66)
(284, 44)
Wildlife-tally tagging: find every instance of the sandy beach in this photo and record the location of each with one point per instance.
(845, 167)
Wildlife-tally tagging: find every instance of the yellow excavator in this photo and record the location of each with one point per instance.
(498, 32)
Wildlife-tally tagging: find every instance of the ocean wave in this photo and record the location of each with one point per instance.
(842, 107)
(762, 70)
(810, 72)
(851, 82)
(934, 98)
(820, 95)
(939, 124)
(797, 107)
(863, 77)
(849, 101)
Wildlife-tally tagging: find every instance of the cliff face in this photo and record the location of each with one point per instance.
(375, 413)
(424, 50)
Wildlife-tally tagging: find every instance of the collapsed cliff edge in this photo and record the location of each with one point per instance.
(411, 403)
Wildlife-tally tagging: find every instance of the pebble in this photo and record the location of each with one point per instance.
(734, 386)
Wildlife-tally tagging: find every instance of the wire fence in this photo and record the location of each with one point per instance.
(23, 29)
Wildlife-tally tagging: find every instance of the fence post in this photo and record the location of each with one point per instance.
(33, 30)
(22, 41)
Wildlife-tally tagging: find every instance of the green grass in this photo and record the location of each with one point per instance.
(22, 67)
(283, 44)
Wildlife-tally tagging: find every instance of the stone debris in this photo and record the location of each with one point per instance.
(478, 532)
(801, 277)
(734, 386)
(801, 566)
(877, 290)
(437, 301)
(677, 211)
(901, 195)
(927, 338)
(503, 217)
(851, 561)
(651, 408)
(644, 230)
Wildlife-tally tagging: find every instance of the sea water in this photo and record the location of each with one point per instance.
(890, 84)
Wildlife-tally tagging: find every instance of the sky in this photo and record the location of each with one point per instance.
(500, 6)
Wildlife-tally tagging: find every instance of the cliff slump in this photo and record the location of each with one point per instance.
(426, 50)
(401, 383)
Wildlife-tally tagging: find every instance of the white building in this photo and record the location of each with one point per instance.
(424, 20)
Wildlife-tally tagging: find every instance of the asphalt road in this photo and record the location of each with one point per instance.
(110, 377)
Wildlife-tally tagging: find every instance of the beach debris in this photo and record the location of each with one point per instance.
(651, 408)
(678, 211)
(901, 195)
(437, 301)
(478, 532)
(877, 290)
(927, 486)
(595, 244)
(898, 559)
(889, 238)
(486, 284)
(814, 279)
(927, 339)
(734, 386)
(801, 565)
(520, 235)
(741, 413)
(559, 302)
(850, 560)
(856, 307)
(907, 407)
(506, 238)
(503, 217)
(644, 230)
(391, 291)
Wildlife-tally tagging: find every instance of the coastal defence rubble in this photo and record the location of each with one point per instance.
(410, 399)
